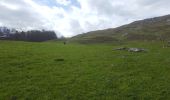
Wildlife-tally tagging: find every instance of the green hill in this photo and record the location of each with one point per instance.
(147, 29)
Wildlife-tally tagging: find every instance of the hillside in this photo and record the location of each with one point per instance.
(147, 29)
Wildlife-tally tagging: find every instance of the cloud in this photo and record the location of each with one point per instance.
(18, 15)
(64, 2)
(72, 17)
(9, 6)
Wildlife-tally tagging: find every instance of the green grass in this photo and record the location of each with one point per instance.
(53, 71)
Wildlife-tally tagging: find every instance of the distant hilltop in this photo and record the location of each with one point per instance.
(152, 29)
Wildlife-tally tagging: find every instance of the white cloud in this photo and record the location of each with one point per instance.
(9, 6)
(64, 2)
(73, 20)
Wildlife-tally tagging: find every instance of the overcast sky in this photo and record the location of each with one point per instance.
(72, 17)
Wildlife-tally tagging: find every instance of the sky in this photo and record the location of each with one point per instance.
(71, 17)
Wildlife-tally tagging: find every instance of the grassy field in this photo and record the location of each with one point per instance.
(53, 71)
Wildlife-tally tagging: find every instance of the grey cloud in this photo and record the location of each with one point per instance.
(152, 2)
(109, 8)
(22, 17)
(75, 26)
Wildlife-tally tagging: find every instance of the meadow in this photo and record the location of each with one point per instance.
(54, 71)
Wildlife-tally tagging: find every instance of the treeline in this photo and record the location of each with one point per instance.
(33, 36)
(1, 33)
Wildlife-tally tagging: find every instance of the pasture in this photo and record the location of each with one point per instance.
(54, 71)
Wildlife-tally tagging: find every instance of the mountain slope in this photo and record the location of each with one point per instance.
(147, 29)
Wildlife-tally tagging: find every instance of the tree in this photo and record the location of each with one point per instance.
(1, 33)
(39, 36)
(33, 35)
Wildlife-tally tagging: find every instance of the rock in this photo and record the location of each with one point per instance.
(122, 48)
(131, 49)
(136, 50)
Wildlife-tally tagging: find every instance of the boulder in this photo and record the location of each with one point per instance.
(131, 49)
(121, 48)
(136, 50)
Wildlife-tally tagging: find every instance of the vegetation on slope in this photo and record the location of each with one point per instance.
(148, 29)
